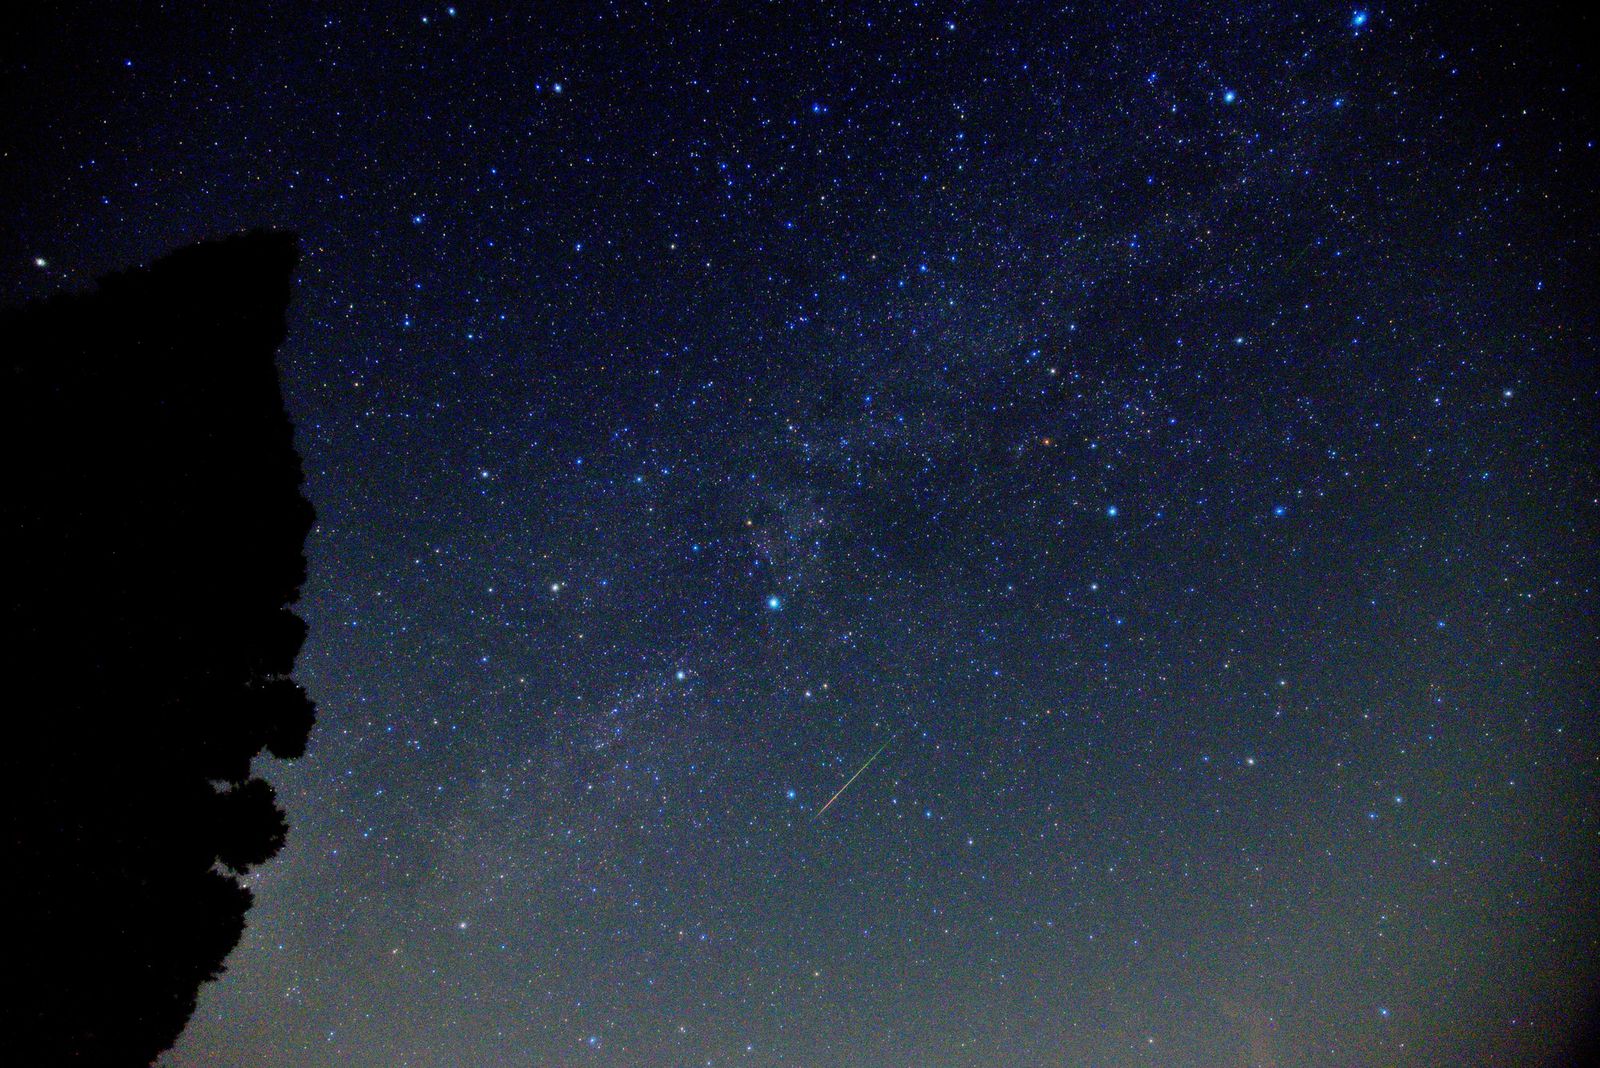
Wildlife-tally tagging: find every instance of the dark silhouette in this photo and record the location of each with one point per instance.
(154, 528)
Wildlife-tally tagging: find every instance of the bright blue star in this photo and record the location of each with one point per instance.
(1229, 96)
(774, 603)
(1112, 511)
(1358, 19)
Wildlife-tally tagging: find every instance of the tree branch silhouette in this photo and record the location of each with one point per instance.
(155, 525)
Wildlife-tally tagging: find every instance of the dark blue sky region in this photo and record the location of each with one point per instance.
(1164, 434)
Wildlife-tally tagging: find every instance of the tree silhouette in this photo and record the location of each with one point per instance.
(154, 528)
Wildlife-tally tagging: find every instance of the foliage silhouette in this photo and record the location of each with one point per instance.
(155, 527)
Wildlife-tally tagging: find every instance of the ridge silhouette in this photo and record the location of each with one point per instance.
(155, 527)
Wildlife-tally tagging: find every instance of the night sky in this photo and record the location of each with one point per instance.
(1165, 436)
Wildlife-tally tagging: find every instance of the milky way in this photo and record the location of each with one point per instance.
(1173, 427)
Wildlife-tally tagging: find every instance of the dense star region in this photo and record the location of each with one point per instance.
(1151, 449)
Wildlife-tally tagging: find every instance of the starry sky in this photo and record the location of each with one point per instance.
(1164, 434)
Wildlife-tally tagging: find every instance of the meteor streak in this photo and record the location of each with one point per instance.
(850, 780)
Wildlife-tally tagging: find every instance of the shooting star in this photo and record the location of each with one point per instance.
(850, 780)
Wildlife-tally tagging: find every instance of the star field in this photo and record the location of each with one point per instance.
(1168, 432)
